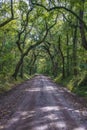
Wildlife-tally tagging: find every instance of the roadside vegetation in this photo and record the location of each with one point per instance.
(44, 37)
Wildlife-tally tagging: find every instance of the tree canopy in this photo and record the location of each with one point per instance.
(43, 36)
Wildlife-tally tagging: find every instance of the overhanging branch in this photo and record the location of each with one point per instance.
(39, 42)
(61, 7)
(10, 19)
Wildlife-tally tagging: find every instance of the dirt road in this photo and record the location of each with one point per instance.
(39, 104)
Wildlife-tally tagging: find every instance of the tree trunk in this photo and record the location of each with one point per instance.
(63, 59)
(21, 70)
(75, 52)
(56, 68)
(68, 69)
(18, 67)
(82, 28)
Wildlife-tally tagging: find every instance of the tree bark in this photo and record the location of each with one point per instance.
(21, 70)
(67, 42)
(82, 27)
(75, 52)
(18, 67)
(63, 59)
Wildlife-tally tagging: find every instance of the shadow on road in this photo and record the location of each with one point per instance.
(43, 108)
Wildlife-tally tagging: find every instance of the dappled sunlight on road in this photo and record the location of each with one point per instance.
(79, 128)
(44, 108)
(33, 90)
(49, 88)
(49, 117)
(61, 124)
(49, 108)
(42, 127)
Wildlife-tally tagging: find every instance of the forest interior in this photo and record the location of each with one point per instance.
(44, 37)
(44, 42)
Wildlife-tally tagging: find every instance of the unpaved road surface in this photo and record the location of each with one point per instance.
(39, 104)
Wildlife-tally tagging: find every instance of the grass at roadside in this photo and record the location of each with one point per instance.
(7, 83)
(76, 85)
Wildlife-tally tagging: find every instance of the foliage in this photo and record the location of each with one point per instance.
(46, 37)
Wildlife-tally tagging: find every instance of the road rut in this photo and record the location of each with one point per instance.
(43, 107)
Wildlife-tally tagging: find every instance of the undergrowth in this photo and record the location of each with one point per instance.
(7, 82)
(76, 84)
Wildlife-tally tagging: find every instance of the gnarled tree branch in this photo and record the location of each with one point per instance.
(62, 7)
(11, 18)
